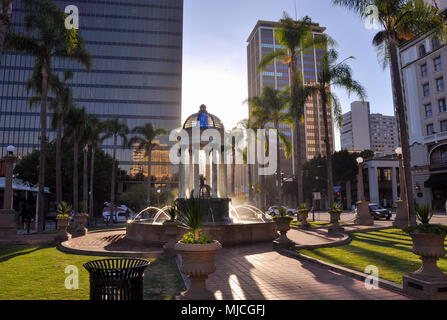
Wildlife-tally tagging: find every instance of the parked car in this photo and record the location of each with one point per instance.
(273, 211)
(120, 214)
(379, 212)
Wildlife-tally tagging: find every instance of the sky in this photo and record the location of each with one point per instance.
(215, 37)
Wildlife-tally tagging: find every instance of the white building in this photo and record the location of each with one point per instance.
(365, 131)
(423, 63)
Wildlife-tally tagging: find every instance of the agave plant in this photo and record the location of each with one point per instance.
(303, 208)
(190, 215)
(424, 214)
(63, 210)
(335, 208)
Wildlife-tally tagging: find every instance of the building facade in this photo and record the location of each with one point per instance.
(262, 41)
(136, 47)
(365, 131)
(423, 63)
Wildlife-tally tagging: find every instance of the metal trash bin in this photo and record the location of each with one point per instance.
(116, 279)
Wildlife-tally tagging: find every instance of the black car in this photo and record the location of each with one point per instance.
(379, 212)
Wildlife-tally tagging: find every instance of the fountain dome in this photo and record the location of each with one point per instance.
(204, 120)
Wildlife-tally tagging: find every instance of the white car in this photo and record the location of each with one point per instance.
(120, 214)
(273, 211)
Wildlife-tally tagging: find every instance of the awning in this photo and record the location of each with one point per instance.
(438, 180)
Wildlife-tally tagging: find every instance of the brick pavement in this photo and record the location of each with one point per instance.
(259, 273)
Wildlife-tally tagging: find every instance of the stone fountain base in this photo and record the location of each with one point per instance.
(230, 234)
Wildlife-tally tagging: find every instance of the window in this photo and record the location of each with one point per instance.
(430, 129)
(428, 110)
(424, 70)
(438, 64)
(440, 84)
(435, 43)
(444, 126)
(426, 88)
(422, 51)
(442, 106)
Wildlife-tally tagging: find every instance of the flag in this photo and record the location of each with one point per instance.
(435, 5)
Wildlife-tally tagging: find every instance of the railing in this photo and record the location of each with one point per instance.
(435, 137)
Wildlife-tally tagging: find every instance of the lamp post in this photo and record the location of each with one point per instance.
(402, 216)
(364, 218)
(7, 224)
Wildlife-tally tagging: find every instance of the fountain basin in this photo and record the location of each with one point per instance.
(227, 234)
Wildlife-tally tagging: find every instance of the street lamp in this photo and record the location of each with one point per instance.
(11, 150)
(402, 213)
(8, 229)
(363, 215)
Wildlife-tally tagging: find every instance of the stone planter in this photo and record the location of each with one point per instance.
(304, 224)
(81, 220)
(429, 282)
(198, 262)
(335, 224)
(62, 225)
(430, 247)
(283, 225)
(171, 232)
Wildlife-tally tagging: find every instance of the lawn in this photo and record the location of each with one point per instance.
(390, 250)
(35, 272)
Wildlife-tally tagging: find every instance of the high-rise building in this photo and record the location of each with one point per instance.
(136, 46)
(262, 41)
(423, 62)
(365, 131)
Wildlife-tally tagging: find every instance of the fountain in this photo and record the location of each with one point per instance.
(222, 221)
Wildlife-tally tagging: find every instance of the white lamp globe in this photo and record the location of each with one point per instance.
(399, 151)
(359, 160)
(10, 149)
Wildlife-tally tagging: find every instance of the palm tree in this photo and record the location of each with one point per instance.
(5, 19)
(334, 74)
(92, 139)
(144, 140)
(400, 21)
(114, 128)
(296, 37)
(74, 129)
(46, 37)
(271, 107)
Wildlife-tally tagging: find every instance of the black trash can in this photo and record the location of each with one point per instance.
(116, 279)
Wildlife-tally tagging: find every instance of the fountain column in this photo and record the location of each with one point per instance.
(196, 166)
(214, 173)
(224, 178)
(181, 175)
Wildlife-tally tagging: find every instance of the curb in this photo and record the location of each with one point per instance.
(384, 284)
(150, 255)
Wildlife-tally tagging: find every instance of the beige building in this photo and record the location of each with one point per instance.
(424, 72)
(263, 41)
(365, 131)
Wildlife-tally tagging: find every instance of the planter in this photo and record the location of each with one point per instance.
(62, 225)
(198, 262)
(335, 218)
(304, 224)
(81, 221)
(171, 232)
(430, 247)
(283, 225)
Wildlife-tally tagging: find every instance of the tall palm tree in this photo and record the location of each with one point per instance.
(144, 140)
(5, 20)
(46, 37)
(400, 21)
(334, 74)
(271, 107)
(114, 128)
(60, 106)
(296, 37)
(92, 138)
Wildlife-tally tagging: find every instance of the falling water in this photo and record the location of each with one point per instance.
(157, 214)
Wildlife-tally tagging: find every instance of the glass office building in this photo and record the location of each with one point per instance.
(136, 46)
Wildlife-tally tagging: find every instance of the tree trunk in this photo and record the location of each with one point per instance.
(43, 148)
(75, 176)
(59, 162)
(92, 173)
(278, 169)
(112, 187)
(5, 19)
(149, 176)
(330, 178)
(403, 129)
(85, 180)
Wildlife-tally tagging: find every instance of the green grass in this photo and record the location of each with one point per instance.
(390, 250)
(36, 272)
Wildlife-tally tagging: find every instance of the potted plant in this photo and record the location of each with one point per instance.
(171, 231)
(283, 225)
(304, 214)
(63, 221)
(428, 243)
(197, 250)
(335, 211)
(81, 220)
